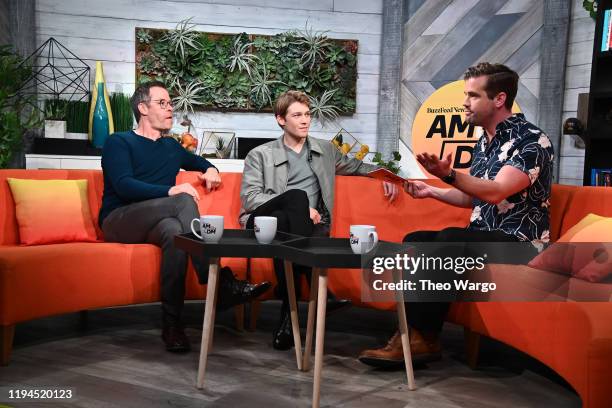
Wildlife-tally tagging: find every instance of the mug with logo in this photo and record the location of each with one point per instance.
(211, 228)
(363, 238)
(265, 229)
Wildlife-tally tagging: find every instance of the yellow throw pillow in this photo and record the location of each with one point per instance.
(52, 211)
(583, 224)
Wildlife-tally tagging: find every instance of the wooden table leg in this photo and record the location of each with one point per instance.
(312, 307)
(295, 322)
(321, 309)
(214, 309)
(403, 327)
(209, 319)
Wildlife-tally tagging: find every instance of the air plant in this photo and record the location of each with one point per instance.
(220, 144)
(188, 97)
(261, 86)
(315, 42)
(183, 37)
(241, 58)
(321, 108)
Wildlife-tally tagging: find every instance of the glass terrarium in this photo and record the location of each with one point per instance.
(217, 144)
(348, 145)
(185, 134)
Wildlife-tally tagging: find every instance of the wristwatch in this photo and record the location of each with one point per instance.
(450, 179)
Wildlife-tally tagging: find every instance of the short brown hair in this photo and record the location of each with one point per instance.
(286, 99)
(500, 78)
(142, 95)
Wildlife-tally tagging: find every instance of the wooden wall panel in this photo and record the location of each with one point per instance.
(96, 30)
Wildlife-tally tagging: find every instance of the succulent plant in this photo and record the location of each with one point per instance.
(147, 64)
(143, 36)
(55, 109)
(239, 71)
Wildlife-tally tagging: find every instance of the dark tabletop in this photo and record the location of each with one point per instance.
(310, 251)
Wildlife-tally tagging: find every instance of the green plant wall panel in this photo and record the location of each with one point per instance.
(241, 72)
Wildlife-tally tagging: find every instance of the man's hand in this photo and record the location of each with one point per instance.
(390, 191)
(435, 166)
(211, 179)
(418, 189)
(315, 216)
(184, 188)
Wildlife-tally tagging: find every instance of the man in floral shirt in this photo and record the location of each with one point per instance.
(508, 189)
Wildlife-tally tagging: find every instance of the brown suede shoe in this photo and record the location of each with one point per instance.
(423, 348)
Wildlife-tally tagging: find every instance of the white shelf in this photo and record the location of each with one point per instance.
(53, 161)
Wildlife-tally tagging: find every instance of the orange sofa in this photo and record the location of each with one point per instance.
(574, 339)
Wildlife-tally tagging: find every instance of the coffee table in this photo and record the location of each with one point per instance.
(317, 252)
(321, 254)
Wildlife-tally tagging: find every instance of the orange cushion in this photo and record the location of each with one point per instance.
(52, 211)
(581, 251)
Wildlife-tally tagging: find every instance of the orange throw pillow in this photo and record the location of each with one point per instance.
(583, 251)
(52, 211)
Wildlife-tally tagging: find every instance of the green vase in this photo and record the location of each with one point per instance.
(100, 114)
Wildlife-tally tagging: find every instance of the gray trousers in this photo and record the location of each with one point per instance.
(156, 222)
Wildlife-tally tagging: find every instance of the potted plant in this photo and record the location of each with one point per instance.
(77, 120)
(55, 119)
(16, 111)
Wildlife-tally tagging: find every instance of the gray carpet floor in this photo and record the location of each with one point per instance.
(116, 359)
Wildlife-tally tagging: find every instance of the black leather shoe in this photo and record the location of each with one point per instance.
(282, 338)
(175, 339)
(234, 292)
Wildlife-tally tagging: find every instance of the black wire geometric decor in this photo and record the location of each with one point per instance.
(57, 73)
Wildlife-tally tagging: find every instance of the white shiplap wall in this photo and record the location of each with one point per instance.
(104, 30)
(577, 81)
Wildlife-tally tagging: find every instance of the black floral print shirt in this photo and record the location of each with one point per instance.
(519, 144)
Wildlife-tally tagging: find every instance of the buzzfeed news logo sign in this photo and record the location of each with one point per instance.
(440, 128)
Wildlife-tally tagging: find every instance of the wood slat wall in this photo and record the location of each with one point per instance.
(104, 30)
(577, 80)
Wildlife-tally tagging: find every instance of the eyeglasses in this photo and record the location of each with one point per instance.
(164, 104)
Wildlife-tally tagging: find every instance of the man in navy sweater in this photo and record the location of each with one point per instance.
(142, 204)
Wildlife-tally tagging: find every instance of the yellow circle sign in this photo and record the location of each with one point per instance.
(440, 128)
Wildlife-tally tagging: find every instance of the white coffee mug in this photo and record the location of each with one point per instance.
(265, 229)
(211, 228)
(363, 238)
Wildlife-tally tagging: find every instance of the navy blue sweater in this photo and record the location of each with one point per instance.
(137, 168)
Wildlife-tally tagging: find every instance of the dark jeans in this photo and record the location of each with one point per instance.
(291, 210)
(156, 222)
(429, 316)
